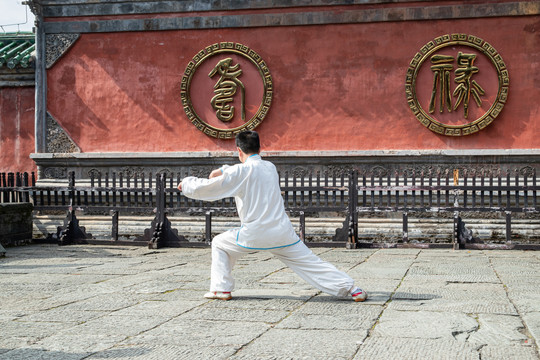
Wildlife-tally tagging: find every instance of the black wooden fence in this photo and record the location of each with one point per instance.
(158, 195)
(353, 195)
(474, 192)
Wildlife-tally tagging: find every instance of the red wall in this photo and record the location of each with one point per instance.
(336, 87)
(16, 129)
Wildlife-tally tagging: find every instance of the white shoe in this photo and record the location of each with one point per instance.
(359, 295)
(219, 295)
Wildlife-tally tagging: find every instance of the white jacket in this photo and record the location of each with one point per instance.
(255, 187)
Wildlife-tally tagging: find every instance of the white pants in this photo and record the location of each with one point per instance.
(320, 274)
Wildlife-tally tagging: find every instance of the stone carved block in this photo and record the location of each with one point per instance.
(58, 140)
(54, 173)
(56, 46)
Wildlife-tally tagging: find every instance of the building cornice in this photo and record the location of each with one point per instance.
(85, 17)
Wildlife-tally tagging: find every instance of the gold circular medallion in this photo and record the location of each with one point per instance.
(456, 84)
(226, 88)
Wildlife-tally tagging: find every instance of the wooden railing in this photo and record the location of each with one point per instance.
(439, 193)
(351, 195)
(159, 196)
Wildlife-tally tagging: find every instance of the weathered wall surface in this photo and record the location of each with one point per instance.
(336, 87)
(16, 129)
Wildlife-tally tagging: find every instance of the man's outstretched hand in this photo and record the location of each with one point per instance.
(213, 174)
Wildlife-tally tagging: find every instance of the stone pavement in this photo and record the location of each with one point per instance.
(99, 302)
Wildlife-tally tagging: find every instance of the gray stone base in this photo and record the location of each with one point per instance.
(15, 224)
(58, 165)
(319, 230)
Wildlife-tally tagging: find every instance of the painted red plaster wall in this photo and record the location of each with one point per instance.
(336, 87)
(17, 129)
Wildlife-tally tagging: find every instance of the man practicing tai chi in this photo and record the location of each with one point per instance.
(265, 225)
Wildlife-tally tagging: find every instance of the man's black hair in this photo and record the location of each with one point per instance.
(248, 142)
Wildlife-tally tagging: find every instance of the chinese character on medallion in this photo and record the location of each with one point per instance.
(226, 88)
(457, 84)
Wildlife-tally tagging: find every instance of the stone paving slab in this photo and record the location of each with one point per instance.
(74, 344)
(303, 344)
(107, 302)
(452, 297)
(235, 314)
(355, 321)
(495, 329)
(201, 333)
(391, 348)
(161, 352)
(425, 325)
(493, 352)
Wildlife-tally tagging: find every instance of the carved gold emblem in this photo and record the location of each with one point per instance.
(225, 89)
(234, 94)
(464, 89)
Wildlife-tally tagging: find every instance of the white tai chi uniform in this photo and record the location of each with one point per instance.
(265, 226)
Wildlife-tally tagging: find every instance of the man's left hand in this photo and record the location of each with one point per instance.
(215, 173)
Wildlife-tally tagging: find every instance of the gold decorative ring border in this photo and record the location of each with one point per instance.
(198, 59)
(451, 40)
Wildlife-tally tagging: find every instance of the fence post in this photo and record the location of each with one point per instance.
(114, 230)
(508, 226)
(3, 194)
(405, 227)
(18, 183)
(11, 183)
(71, 232)
(158, 240)
(302, 226)
(208, 227)
(457, 219)
(352, 242)
(162, 232)
(455, 236)
(25, 184)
